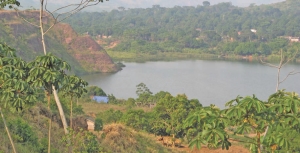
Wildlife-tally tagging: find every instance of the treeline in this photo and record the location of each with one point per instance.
(217, 29)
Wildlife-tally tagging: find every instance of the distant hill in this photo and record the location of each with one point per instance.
(82, 52)
(218, 29)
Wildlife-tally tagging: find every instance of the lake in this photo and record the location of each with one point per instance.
(211, 82)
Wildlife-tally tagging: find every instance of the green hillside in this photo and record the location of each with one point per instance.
(221, 29)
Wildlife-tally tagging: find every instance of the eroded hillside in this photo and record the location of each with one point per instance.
(82, 52)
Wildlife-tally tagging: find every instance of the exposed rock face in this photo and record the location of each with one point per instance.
(88, 55)
(92, 57)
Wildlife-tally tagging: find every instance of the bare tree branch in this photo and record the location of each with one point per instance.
(281, 64)
(25, 19)
(289, 59)
(291, 73)
(83, 4)
(268, 64)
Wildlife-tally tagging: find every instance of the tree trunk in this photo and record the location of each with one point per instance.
(258, 142)
(8, 134)
(42, 27)
(71, 113)
(61, 112)
(278, 79)
(49, 126)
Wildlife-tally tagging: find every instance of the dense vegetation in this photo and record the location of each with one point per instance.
(220, 29)
(274, 123)
(27, 90)
(244, 120)
(185, 119)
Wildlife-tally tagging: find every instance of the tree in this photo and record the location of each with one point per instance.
(58, 16)
(81, 141)
(121, 8)
(9, 3)
(284, 59)
(7, 131)
(206, 3)
(48, 72)
(73, 86)
(15, 91)
(94, 91)
(207, 126)
(51, 76)
(246, 115)
(170, 112)
(275, 122)
(142, 89)
(285, 124)
(136, 119)
(98, 124)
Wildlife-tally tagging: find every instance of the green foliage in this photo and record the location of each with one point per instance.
(285, 124)
(46, 71)
(73, 86)
(137, 119)
(98, 124)
(144, 94)
(9, 3)
(94, 91)
(130, 102)
(248, 115)
(206, 3)
(170, 112)
(274, 118)
(207, 126)
(209, 29)
(15, 90)
(22, 132)
(81, 141)
(78, 110)
(142, 89)
(112, 99)
(110, 116)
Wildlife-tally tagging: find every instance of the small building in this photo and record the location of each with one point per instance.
(91, 123)
(101, 99)
(294, 39)
(253, 30)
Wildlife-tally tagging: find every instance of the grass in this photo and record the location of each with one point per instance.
(119, 138)
(159, 56)
(93, 107)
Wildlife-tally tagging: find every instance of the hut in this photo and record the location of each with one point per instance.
(101, 99)
(91, 123)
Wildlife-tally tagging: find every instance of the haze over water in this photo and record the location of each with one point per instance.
(211, 82)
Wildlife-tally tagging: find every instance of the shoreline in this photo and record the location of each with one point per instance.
(173, 56)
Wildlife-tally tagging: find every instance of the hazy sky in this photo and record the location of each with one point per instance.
(113, 4)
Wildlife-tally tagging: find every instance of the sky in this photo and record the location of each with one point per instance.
(114, 4)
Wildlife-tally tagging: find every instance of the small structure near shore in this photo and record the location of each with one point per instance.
(101, 99)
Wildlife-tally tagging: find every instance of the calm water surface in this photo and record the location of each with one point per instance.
(212, 82)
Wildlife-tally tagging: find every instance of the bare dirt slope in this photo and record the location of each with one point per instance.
(62, 41)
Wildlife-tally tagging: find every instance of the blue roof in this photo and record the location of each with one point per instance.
(101, 99)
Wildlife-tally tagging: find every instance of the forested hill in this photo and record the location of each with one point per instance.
(217, 29)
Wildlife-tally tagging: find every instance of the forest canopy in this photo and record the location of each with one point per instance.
(222, 28)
